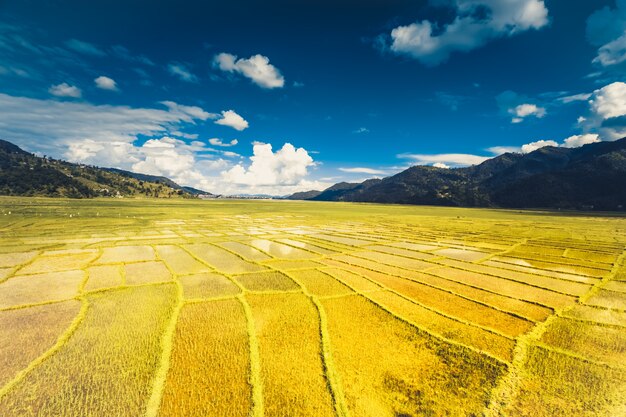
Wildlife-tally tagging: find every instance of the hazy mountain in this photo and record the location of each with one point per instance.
(25, 174)
(304, 195)
(592, 176)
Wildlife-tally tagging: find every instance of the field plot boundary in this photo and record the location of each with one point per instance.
(332, 376)
(417, 326)
(65, 336)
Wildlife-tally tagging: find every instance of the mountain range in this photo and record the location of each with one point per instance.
(25, 174)
(590, 177)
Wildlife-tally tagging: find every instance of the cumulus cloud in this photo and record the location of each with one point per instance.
(449, 159)
(607, 112)
(609, 101)
(287, 166)
(441, 165)
(105, 83)
(115, 136)
(606, 29)
(182, 72)
(521, 111)
(232, 119)
(577, 141)
(533, 146)
(363, 170)
(257, 68)
(65, 90)
(218, 142)
(477, 22)
(519, 107)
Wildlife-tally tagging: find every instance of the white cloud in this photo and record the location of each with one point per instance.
(521, 111)
(50, 125)
(533, 146)
(257, 68)
(499, 150)
(84, 47)
(609, 101)
(612, 53)
(108, 136)
(287, 166)
(182, 72)
(606, 28)
(218, 142)
(441, 165)
(450, 159)
(477, 22)
(361, 130)
(363, 170)
(65, 90)
(105, 83)
(189, 112)
(232, 119)
(577, 141)
(575, 97)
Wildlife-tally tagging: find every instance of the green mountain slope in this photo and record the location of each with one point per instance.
(589, 177)
(25, 174)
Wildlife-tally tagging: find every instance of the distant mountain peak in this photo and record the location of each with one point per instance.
(592, 176)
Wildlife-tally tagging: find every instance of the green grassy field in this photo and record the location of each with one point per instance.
(277, 308)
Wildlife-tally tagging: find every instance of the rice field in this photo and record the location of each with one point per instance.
(272, 308)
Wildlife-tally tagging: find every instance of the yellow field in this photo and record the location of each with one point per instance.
(255, 308)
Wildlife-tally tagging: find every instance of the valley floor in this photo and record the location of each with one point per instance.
(281, 308)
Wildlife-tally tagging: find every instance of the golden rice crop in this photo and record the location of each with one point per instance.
(401, 252)
(352, 279)
(389, 369)
(44, 264)
(27, 333)
(31, 289)
(598, 315)
(106, 367)
(543, 272)
(459, 307)
(15, 258)
(292, 371)
(146, 273)
(376, 310)
(319, 283)
(430, 320)
(119, 254)
(512, 305)
(554, 384)
(286, 265)
(245, 251)
(207, 285)
(282, 251)
(267, 281)
(506, 287)
(209, 368)
(223, 260)
(602, 343)
(179, 261)
(104, 276)
(307, 246)
(461, 254)
(608, 299)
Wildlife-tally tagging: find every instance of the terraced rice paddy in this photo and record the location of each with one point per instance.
(253, 308)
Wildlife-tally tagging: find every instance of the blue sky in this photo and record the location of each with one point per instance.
(279, 96)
